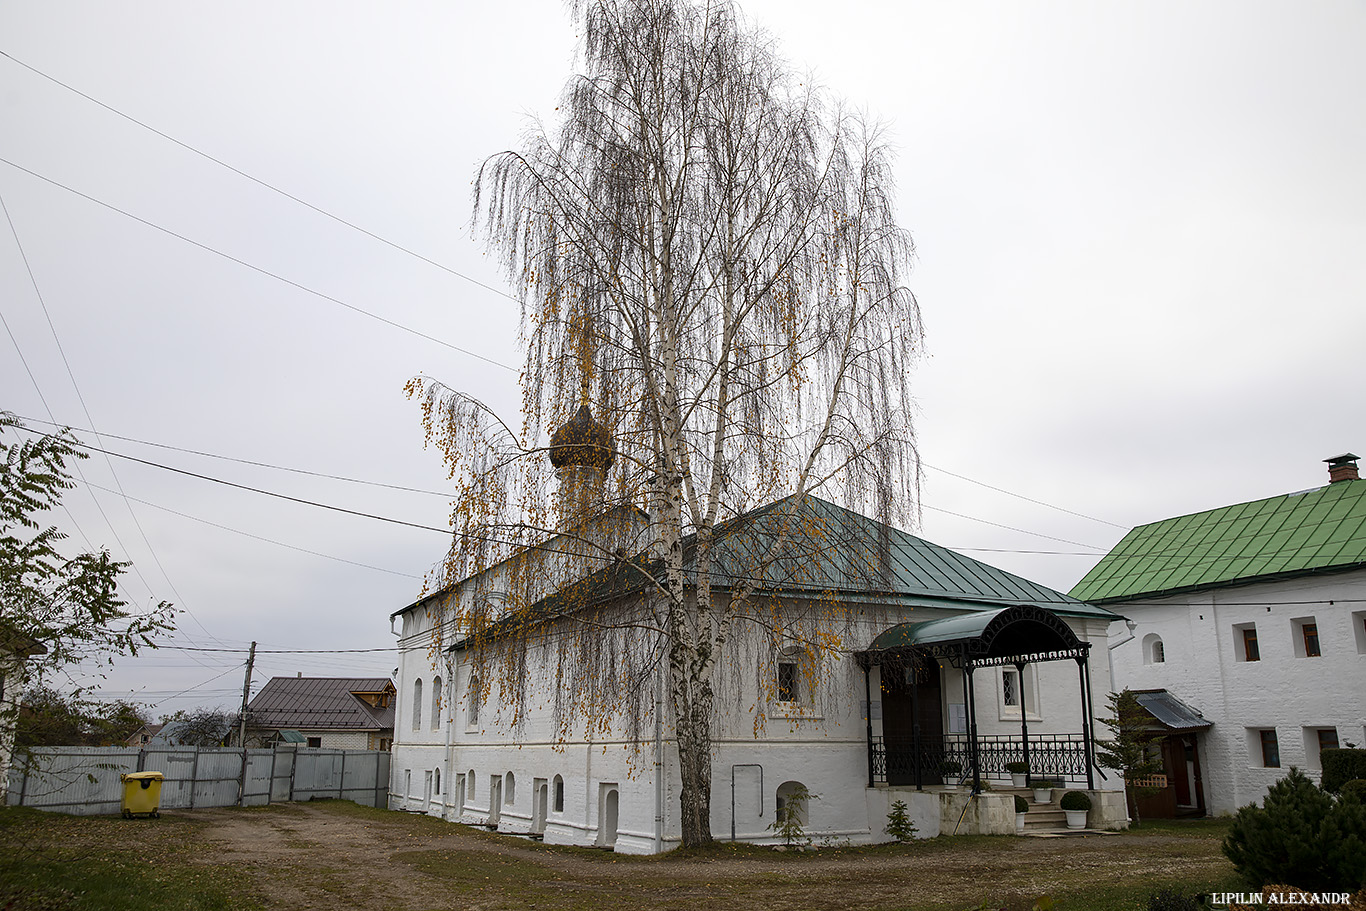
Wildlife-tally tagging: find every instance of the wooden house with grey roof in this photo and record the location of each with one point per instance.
(348, 713)
(937, 672)
(1246, 640)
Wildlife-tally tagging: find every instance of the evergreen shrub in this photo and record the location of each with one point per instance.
(1300, 836)
(1075, 800)
(1021, 805)
(1341, 766)
(1354, 790)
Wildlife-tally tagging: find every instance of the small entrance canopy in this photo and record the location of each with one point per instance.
(1170, 712)
(1009, 635)
(1017, 635)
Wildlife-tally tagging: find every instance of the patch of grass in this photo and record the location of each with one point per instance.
(50, 862)
(1208, 827)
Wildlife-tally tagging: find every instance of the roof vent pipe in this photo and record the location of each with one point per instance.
(1343, 468)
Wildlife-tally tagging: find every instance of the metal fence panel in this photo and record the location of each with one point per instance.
(85, 780)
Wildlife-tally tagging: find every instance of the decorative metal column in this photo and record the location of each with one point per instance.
(1024, 721)
(1085, 679)
(915, 722)
(972, 723)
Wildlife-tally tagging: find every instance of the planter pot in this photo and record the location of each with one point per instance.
(1017, 779)
(1019, 823)
(950, 786)
(1043, 795)
(1076, 819)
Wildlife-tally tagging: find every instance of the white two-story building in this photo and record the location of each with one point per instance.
(1248, 637)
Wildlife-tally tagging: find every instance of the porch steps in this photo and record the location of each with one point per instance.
(1046, 820)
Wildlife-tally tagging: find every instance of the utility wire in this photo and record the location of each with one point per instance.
(1101, 550)
(258, 181)
(275, 275)
(1020, 496)
(211, 455)
(284, 651)
(81, 398)
(438, 493)
(237, 531)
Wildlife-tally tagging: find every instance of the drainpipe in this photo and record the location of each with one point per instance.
(450, 734)
(1110, 649)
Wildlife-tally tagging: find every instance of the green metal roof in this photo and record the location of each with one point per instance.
(1317, 530)
(927, 632)
(832, 549)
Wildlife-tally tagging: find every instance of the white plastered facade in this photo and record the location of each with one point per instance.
(622, 793)
(1286, 690)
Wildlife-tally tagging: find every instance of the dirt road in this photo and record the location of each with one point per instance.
(333, 857)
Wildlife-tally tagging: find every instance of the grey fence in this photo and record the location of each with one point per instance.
(85, 780)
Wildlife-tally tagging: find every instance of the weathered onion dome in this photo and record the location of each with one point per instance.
(582, 441)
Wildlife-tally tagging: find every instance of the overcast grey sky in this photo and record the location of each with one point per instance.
(1139, 230)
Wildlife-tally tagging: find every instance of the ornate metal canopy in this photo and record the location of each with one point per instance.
(1010, 635)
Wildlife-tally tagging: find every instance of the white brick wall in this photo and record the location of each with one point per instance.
(1284, 691)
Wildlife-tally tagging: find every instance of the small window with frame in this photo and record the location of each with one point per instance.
(1246, 647)
(1271, 748)
(1310, 632)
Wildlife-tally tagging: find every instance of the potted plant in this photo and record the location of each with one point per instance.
(950, 769)
(1021, 808)
(1075, 804)
(1019, 771)
(1043, 789)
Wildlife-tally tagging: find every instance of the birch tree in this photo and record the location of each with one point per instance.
(712, 279)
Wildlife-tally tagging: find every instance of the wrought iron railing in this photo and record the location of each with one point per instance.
(920, 761)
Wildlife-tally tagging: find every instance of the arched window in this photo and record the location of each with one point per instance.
(559, 794)
(436, 777)
(792, 802)
(1154, 652)
(474, 700)
(469, 785)
(436, 703)
(509, 789)
(417, 704)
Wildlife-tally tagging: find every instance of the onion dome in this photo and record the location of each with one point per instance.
(582, 441)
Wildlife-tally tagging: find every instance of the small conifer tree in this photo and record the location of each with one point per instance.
(1300, 836)
(899, 824)
(1128, 753)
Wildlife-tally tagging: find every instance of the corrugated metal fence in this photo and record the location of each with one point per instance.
(85, 780)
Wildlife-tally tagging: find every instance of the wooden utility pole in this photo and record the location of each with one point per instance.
(242, 726)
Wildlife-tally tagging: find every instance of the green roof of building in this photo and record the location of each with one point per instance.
(833, 551)
(1319, 530)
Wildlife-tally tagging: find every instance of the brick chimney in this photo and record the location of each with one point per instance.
(1343, 468)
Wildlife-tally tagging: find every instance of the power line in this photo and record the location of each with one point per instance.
(443, 494)
(248, 534)
(242, 262)
(258, 181)
(33, 279)
(211, 455)
(1036, 534)
(1021, 496)
(282, 651)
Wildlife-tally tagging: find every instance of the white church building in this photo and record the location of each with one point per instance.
(940, 671)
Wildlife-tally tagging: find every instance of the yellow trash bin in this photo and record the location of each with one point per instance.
(141, 794)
